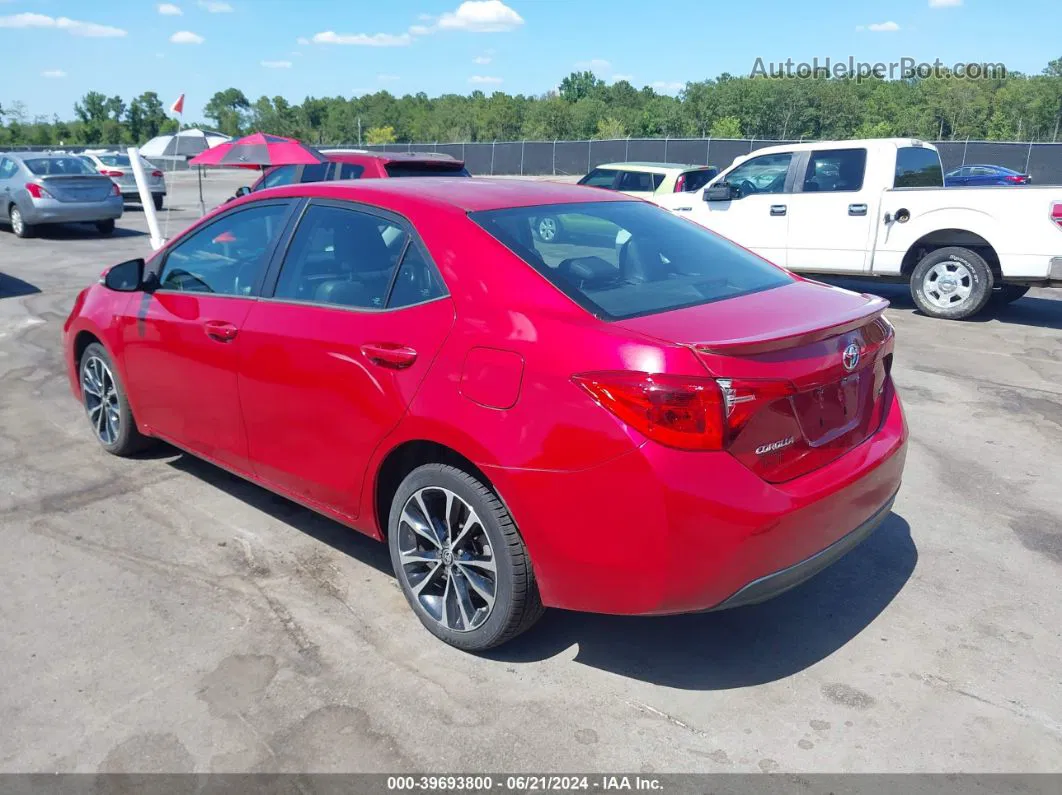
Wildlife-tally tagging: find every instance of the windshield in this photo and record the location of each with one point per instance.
(427, 170)
(46, 166)
(115, 160)
(624, 259)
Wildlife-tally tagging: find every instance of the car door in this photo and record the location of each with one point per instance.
(756, 216)
(181, 341)
(8, 169)
(981, 175)
(830, 221)
(335, 350)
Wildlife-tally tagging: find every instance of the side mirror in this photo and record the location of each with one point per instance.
(242, 191)
(125, 277)
(719, 192)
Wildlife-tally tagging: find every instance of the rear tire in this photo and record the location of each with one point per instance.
(548, 229)
(1008, 293)
(106, 405)
(158, 199)
(952, 283)
(18, 223)
(105, 227)
(466, 573)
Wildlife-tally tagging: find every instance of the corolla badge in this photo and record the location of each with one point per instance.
(850, 357)
(774, 446)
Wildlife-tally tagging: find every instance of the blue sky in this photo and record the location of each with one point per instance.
(64, 48)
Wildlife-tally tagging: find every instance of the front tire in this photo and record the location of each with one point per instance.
(459, 559)
(952, 283)
(105, 227)
(548, 229)
(157, 199)
(106, 405)
(18, 223)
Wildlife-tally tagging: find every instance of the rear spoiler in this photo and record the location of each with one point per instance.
(799, 334)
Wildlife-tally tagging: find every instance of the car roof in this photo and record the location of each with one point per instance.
(988, 165)
(355, 156)
(459, 193)
(649, 166)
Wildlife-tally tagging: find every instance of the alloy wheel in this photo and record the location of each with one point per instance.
(547, 228)
(101, 399)
(948, 284)
(446, 559)
(18, 226)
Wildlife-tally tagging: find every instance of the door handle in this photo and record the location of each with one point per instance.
(857, 209)
(778, 209)
(387, 354)
(220, 330)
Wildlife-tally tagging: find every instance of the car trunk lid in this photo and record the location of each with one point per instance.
(77, 188)
(804, 370)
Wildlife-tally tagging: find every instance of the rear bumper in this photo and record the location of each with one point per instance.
(133, 195)
(772, 585)
(660, 531)
(52, 211)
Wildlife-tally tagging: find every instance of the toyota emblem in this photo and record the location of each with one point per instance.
(850, 357)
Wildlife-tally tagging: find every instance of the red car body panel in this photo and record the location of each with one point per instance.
(613, 521)
(374, 164)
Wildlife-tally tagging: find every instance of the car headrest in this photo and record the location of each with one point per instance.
(587, 271)
(341, 292)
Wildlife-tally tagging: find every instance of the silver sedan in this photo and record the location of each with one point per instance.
(118, 167)
(41, 188)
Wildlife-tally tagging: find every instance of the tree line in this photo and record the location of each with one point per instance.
(1015, 107)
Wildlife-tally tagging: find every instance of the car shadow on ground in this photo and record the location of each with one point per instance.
(82, 232)
(742, 647)
(13, 287)
(341, 538)
(1028, 311)
(707, 651)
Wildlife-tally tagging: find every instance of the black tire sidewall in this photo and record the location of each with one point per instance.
(158, 201)
(980, 275)
(479, 497)
(105, 227)
(129, 438)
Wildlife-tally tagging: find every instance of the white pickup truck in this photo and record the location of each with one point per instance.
(878, 208)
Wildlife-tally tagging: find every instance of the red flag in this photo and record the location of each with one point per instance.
(178, 106)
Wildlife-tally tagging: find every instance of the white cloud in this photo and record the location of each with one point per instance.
(880, 27)
(667, 87)
(944, 3)
(170, 10)
(425, 17)
(420, 30)
(481, 16)
(186, 37)
(55, 73)
(363, 39)
(482, 60)
(295, 52)
(594, 65)
(276, 64)
(215, 7)
(71, 26)
(387, 78)
(484, 80)
(302, 41)
(617, 78)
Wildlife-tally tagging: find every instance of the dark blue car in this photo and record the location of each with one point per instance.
(985, 175)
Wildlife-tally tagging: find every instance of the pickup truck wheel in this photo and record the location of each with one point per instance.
(953, 283)
(1009, 293)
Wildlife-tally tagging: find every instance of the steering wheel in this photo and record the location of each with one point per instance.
(747, 187)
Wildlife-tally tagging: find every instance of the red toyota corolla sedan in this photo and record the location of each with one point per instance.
(663, 426)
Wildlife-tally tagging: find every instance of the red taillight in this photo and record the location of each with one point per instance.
(680, 183)
(1016, 179)
(37, 192)
(1056, 213)
(115, 190)
(156, 173)
(108, 173)
(685, 412)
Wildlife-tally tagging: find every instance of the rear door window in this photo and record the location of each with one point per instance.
(918, 167)
(624, 259)
(835, 171)
(8, 168)
(600, 178)
(350, 171)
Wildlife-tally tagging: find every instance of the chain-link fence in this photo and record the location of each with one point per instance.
(1042, 161)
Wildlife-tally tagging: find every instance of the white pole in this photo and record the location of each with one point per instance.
(145, 197)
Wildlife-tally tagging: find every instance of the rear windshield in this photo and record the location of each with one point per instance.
(47, 166)
(624, 259)
(121, 161)
(427, 170)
